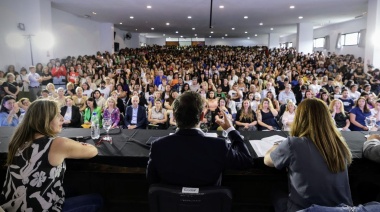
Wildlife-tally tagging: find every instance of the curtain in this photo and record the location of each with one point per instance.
(362, 34)
(326, 45)
(338, 44)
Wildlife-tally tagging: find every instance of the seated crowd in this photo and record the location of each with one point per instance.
(207, 88)
(254, 85)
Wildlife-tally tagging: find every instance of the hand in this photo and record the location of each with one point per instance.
(365, 128)
(373, 136)
(15, 109)
(131, 127)
(270, 128)
(223, 121)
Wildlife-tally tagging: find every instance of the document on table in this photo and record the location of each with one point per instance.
(262, 146)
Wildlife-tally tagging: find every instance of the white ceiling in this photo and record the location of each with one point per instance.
(274, 14)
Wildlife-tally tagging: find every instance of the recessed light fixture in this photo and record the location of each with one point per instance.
(261, 23)
(211, 32)
(271, 28)
(300, 17)
(245, 17)
(181, 36)
(136, 29)
(195, 35)
(245, 32)
(233, 28)
(121, 23)
(292, 7)
(193, 28)
(222, 37)
(226, 35)
(176, 32)
(149, 7)
(163, 35)
(94, 13)
(131, 17)
(189, 17)
(255, 35)
(210, 36)
(221, 6)
(248, 38)
(152, 28)
(167, 24)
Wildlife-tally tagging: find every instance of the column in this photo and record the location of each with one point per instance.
(273, 40)
(305, 37)
(372, 44)
(106, 37)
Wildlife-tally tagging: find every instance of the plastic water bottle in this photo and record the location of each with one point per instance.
(95, 131)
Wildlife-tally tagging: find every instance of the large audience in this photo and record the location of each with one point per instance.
(258, 88)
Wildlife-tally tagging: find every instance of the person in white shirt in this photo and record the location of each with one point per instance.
(104, 90)
(286, 94)
(194, 85)
(236, 95)
(269, 87)
(288, 116)
(314, 87)
(353, 93)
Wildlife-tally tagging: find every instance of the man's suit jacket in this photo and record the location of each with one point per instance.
(141, 117)
(75, 116)
(188, 158)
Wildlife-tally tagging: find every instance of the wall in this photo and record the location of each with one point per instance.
(333, 30)
(156, 41)
(259, 40)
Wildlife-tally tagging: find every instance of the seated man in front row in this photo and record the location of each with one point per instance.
(135, 115)
(188, 158)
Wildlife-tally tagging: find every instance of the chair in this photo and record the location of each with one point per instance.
(163, 198)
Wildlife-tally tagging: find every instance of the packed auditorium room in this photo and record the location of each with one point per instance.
(197, 106)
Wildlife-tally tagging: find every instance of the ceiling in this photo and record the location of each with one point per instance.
(276, 16)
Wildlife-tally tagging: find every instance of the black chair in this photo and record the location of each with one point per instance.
(164, 198)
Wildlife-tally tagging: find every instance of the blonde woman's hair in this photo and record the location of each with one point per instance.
(25, 132)
(110, 99)
(341, 109)
(313, 121)
(50, 84)
(290, 103)
(248, 115)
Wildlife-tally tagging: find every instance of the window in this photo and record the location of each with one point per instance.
(290, 45)
(319, 42)
(350, 39)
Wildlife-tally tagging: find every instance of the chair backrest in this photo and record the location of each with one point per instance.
(163, 198)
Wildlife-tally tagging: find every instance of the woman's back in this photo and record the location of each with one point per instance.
(311, 181)
(31, 182)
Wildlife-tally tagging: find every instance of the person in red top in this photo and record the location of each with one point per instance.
(72, 75)
(59, 75)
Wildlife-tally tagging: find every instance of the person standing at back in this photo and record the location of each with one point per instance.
(188, 157)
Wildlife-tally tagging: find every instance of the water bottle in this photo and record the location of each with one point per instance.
(95, 131)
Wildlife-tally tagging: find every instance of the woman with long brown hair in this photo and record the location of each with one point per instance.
(316, 158)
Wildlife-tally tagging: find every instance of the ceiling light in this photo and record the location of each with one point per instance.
(167, 24)
(136, 29)
(256, 35)
(163, 35)
(176, 32)
(245, 17)
(226, 35)
(195, 35)
(181, 36)
(248, 38)
(189, 17)
(149, 7)
(271, 28)
(121, 23)
(245, 32)
(210, 36)
(221, 6)
(233, 28)
(222, 37)
(300, 17)
(94, 13)
(131, 17)
(193, 28)
(211, 32)
(291, 7)
(261, 23)
(152, 28)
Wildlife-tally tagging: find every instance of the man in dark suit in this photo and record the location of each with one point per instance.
(188, 157)
(135, 115)
(70, 114)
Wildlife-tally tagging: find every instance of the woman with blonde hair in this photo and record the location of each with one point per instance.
(52, 92)
(316, 159)
(246, 118)
(112, 111)
(288, 116)
(34, 153)
(80, 99)
(342, 120)
(265, 116)
(157, 116)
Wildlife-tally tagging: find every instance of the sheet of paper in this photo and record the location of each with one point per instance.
(262, 146)
(272, 139)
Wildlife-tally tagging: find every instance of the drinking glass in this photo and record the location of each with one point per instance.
(107, 123)
(370, 122)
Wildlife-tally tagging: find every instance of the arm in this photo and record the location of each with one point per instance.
(267, 159)
(142, 120)
(371, 148)
(260, 122)
(62, 148)
(354, 122)
(151, 172)
(116, 117)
